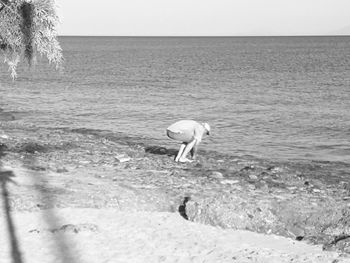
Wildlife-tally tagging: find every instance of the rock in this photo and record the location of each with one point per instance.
(37, 168)
(252, 187)
(261, 185)
(253, 177)
(69, 228)
(122, 158)
(227, 181)
(3, 147)
(4, 136)
(247, 168)
(297, 231)
(216, 175)
(33, 147)
(61, 170)
(264, 174)
(37, 231)
(76, 228)
(274, 169)
(198, 165)
(341, 242)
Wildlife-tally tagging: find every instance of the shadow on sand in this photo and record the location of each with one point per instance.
(62, 245)
(5, 178)
(161, 151)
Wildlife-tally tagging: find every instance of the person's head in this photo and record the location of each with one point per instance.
(207, 127)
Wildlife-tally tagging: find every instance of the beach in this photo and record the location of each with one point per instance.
(107, 235)
(76, 197)
(257, 91)
(88, 173)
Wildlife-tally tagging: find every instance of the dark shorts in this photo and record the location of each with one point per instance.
(180, 136)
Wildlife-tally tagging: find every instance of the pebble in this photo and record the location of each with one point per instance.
(275, 169)
(61, 170)
(4, 136)
(72, 228)
(253, 177)
(252, 187)
(216, 175)
(247, 168)
(122, 158)
(227, 181)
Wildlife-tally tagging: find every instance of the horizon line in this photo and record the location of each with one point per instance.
(207, 36)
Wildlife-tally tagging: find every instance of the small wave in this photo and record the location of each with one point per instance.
(120, 137)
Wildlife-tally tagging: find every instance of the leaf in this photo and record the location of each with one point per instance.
(27, 28)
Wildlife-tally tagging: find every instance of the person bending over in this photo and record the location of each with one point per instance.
(190, 133)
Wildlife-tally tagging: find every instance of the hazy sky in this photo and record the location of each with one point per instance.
(203, 17)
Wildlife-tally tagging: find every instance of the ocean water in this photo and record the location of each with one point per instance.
(272, 98)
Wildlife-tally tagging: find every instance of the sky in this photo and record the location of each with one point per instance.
(203, 17)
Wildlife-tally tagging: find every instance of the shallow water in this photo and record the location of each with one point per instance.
(273, 98)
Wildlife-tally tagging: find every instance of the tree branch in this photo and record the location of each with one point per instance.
(3, 3)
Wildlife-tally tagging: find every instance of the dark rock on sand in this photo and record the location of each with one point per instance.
(61, 170)
(69, 228)
(76, 228)
(32, 147)
(215, 175)
(3, 147)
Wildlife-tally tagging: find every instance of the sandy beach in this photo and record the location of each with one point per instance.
(108, 235)
(88, 172)
(72, 198)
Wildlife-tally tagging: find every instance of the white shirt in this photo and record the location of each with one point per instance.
(194, 128)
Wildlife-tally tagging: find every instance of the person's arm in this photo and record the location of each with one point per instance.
(198, 137)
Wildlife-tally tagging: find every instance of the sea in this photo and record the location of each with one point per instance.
(271, 98)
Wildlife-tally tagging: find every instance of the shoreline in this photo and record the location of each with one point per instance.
(60, 169)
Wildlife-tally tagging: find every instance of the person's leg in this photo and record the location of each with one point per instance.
(181, 150)
(185, 138)
(187, 149)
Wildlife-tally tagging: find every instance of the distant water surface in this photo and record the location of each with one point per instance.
(277, 98)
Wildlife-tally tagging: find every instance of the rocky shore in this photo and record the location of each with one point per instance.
(76, 169)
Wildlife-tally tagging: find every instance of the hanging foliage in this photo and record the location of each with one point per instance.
(28, 28)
